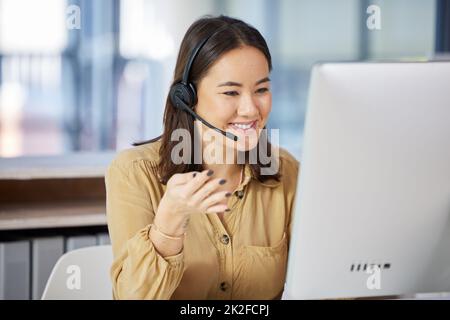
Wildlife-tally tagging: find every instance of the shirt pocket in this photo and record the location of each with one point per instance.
(262, 270)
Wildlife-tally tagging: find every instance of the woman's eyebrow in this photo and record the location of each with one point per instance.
(236, 84)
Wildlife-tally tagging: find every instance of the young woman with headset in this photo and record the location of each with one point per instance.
(205, 230)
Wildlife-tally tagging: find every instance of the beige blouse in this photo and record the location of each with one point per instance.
(245, 257)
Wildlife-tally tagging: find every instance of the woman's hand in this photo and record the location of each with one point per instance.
(193, 192)
(186, 194)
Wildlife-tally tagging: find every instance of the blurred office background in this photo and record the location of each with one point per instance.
(103, 86)
(82, 79)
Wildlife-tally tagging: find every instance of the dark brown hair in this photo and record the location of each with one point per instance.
(237, 34)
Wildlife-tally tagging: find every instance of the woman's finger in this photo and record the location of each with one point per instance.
(216, 198)
(207, 189)
(197, 180)
(217, 208)
(180, 179)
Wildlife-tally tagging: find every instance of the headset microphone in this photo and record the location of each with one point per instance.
(183, 94)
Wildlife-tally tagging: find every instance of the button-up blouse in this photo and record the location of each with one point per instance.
(245, 257)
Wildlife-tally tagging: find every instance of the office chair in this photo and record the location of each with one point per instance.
(81, 274)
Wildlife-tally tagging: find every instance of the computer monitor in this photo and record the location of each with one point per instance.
(372, 209)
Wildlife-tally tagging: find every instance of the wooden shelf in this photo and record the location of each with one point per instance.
(74, 165)
(53, 191)
(49, 215)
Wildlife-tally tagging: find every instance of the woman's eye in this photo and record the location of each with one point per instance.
(262, 90)
(231, 93)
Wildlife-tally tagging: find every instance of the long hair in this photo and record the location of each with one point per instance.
(237, 34)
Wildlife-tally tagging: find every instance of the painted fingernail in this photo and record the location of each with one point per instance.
(195, 173)
(227, 210)
(228, 194)
(222, 181)
(210, 173)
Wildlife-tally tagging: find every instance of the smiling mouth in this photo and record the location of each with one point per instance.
(243, 127)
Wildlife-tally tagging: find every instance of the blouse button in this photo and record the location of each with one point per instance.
(240, 194)
(224, 286)
(225, 239)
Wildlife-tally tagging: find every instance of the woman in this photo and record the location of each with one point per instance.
(208, 230)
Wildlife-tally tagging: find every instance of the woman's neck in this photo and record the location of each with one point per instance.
(223, 168)
(226, 171)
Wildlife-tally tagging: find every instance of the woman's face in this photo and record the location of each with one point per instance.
(235, 96)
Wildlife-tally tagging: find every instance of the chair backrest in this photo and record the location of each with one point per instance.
(81, 274)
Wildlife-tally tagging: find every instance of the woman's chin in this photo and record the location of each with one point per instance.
(246, 141)
(243, 145)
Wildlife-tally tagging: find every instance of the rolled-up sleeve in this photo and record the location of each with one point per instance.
(138, 270)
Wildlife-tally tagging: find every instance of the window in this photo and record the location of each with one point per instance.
(104, 86)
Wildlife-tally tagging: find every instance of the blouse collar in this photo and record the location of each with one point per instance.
(248, 176)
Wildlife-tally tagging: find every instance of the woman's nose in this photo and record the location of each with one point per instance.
(247, 106)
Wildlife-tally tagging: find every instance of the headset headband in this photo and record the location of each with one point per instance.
(187, 68)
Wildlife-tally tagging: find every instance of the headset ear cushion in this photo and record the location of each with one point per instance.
(180, 91)
(193, 94)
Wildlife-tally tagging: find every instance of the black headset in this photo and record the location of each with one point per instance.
(183, 94)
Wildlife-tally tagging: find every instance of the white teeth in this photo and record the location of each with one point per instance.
(243, 126)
